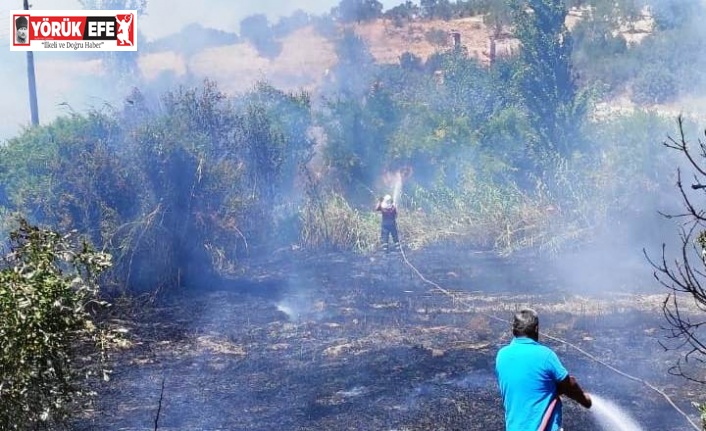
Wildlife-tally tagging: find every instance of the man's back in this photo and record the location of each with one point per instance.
(528, 374)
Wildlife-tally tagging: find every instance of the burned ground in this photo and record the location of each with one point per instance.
(348, 342)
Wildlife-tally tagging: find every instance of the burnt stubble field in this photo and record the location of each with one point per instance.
(350, 342)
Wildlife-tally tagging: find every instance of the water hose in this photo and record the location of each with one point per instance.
(559, 340)
(548, 414)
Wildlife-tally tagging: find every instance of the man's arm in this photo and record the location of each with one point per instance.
(570, 387)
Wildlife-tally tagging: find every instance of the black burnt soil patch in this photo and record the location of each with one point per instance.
(339, 342)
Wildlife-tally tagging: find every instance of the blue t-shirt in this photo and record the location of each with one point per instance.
(528, 374)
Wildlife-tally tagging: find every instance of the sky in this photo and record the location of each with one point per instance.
(62, 84)
(165, 17)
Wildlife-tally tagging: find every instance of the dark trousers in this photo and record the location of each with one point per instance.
(386, 231)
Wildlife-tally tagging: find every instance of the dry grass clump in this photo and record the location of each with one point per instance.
(330, 222)
(504, 219)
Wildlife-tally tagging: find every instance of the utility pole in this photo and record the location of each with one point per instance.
(31, 80)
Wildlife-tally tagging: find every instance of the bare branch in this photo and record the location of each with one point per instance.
(681, 145)
(685, 276)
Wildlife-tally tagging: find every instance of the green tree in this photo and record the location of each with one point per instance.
(498, 17)
(653, 85)
(600, 50)
(355, 67)
(545, 79)
(403, 12)
(441, 9)
(358, 10)
(358, 133)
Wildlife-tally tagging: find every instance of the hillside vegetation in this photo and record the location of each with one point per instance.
(498, 146)
(300, 50)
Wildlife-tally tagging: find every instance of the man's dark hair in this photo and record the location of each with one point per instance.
(525, 323)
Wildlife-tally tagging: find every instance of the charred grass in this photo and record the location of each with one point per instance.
(351, 342)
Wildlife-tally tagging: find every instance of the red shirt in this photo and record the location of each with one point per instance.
(389, 214)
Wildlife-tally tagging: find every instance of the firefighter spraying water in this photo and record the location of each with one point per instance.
(387, 206)
(388, 226)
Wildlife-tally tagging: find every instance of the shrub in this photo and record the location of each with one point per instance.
(48, 288)
(437, 37)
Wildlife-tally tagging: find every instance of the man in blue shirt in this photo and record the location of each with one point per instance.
(531, 378)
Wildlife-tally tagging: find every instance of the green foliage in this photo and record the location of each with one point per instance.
(358, 10)
(502, 140)
(437, 37)
(497, 16)
(48, 293)
(494, 216)
(212, 171)
(359, 120)
(445, 122)
(646, 68)
(436, 9)
(545, 79)
(61, 176)
(358, 133)
(355, 68)
(600, 52)
(623, 181)
(173, 195)
(657, 79)
(402, 13)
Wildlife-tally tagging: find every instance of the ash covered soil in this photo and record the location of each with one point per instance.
(348, 342)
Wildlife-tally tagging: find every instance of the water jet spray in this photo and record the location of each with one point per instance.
(611, 417)
(395, 180)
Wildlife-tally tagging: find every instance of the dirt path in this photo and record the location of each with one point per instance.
(344, 342)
